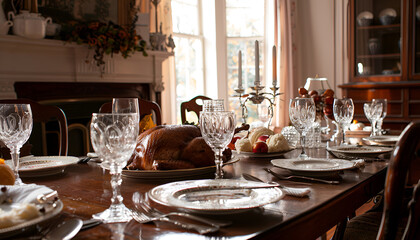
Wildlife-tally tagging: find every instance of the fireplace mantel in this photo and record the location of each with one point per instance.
(47, 60)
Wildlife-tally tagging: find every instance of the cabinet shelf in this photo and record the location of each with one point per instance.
(388, 55)
(381, 27)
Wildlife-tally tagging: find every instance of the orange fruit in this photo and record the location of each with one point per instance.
(7, 177)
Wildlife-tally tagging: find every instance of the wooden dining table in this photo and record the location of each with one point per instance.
(85, 189)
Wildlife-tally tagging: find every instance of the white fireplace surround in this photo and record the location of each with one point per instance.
(47, 60)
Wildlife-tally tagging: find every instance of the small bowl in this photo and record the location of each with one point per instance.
(365, 19)
(387, 19)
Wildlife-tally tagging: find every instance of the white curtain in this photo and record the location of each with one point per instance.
(286, 22)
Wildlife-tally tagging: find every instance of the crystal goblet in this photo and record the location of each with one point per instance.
(302, 115)
(113, 137)
(343, 114)
(15, 128)
(373, 112)
(217, 129)
(383, 115)
(126, 105)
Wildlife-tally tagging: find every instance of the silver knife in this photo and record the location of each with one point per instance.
(67, 230)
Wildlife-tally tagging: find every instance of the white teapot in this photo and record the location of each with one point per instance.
(29, 25)
(4, 24)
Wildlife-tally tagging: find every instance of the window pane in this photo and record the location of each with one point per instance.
(247, 47)
(185, 16)
(244, 18)
(188, 70)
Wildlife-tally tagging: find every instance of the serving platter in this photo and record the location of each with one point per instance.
(262, 155)
(314, 167)
(214, 196)
(173, 174)
(39, 166)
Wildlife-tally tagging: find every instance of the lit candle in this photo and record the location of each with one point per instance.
(240, 69)
(274, 67)
(257, 64)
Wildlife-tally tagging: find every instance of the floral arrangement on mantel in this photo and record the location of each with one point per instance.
(104, 38)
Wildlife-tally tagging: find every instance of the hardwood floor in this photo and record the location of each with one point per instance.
(359, 211)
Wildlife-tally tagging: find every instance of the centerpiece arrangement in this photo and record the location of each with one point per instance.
(104, 38)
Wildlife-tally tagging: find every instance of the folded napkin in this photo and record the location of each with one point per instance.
(296, 192)
(27, 193)
(359, 163)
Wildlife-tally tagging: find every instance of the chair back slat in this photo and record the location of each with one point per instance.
(192, 106)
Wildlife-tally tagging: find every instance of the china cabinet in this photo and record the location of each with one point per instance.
(384, 54)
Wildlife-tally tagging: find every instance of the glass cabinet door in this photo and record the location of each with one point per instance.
(416, 39)
(377, 38)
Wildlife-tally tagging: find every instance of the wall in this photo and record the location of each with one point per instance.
(321, 25)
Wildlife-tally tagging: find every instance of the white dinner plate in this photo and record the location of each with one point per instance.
(313, 166)
(208, 196)
(175, 174)
(263, 155)
(30, 224)
(383, 140)
(34, 166)
(359, 151)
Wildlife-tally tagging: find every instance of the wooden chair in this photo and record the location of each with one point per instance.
(145, 107)
(192, 106)
(43, 114)
(403, 175)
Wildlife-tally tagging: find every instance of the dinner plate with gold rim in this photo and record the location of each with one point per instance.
(383, 140)
(214, 196)
(314, 167)
(173, 174)
(359, 151)
(39, 166)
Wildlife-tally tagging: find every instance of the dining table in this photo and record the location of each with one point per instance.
(85, 189)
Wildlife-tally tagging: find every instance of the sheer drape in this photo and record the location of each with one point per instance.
(286, 22)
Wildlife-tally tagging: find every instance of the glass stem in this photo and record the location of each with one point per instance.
(116, 180)
(14, 152)
(219, 163)
(344, 134)
(303, 143)
(373, 128)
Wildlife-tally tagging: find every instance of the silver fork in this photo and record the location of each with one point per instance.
(139, 200)
(300, 177)
(295, 192)
(141, 216)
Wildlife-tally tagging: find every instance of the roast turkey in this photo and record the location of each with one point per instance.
(168, 147)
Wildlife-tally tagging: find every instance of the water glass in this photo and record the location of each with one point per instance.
(343, 110)
(373, 112)
(114, 137)
(291, 135)
(264, 113)
(302, 115)
(15, 128)
(126, 105)
(383, 115)
(217, 129)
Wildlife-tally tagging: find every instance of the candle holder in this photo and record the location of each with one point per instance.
(256, 96)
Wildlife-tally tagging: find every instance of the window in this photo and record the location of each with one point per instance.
(244, 23)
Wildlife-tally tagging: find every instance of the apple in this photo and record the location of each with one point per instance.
(263, 138)
(260, 147)
(313, 92)
(302, 91)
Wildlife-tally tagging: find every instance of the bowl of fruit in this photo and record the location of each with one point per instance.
(260, 142)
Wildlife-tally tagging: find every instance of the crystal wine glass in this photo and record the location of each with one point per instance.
(383, 115)
(264, 113)
(343, 114)
(126, 105)
(113, 137)
(217, 129)
(213, 105)
(15, 129)
(373, 112)
(302, 115)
